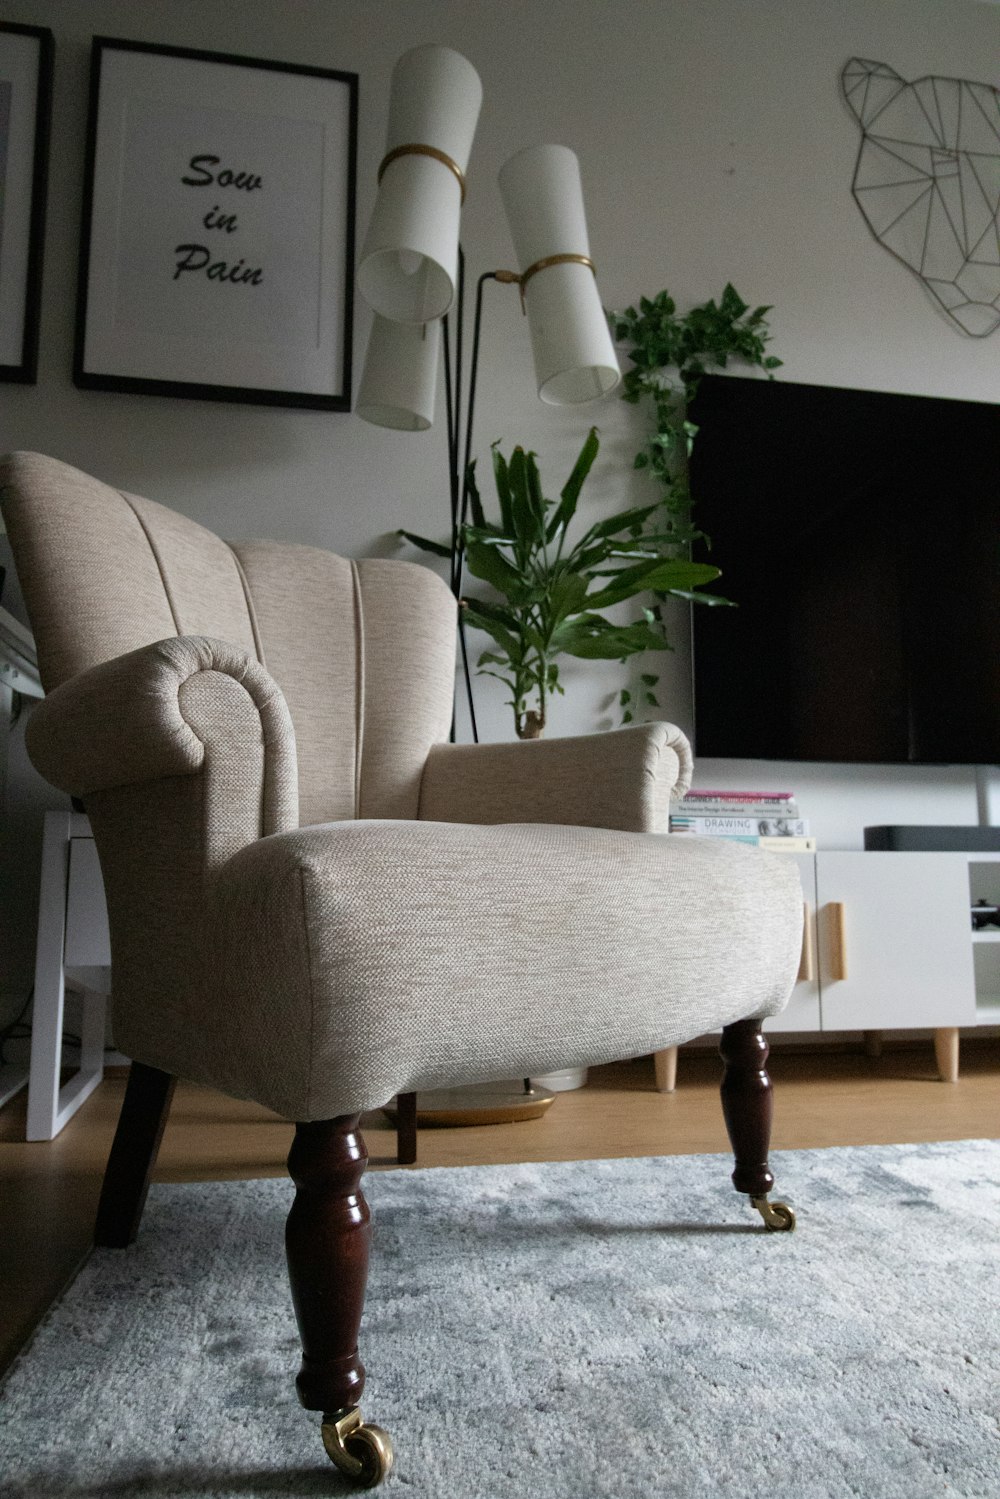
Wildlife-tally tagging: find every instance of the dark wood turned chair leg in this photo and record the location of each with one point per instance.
(406, 1128)
(326, 1239)
(747, 1106)
(146, 1106)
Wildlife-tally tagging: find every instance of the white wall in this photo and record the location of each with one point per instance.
(714, 146)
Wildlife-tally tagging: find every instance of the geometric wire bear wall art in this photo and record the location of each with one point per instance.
(927, 181)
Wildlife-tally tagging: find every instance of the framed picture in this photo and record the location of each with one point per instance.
(217, 247)
(25, 109)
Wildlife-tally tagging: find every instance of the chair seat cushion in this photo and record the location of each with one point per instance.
(351, 961)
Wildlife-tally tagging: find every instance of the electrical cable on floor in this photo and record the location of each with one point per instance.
(17, 1029)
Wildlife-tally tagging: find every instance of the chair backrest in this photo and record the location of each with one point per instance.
(364, 652)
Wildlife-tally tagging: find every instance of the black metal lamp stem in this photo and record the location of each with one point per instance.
(458, 477)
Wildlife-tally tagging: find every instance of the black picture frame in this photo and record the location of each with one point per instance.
(193, 155)
(26, 64)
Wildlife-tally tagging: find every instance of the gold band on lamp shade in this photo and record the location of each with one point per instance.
(414, 150)
(408, 267)
(543, 265)
(574, 356)
(399, 379)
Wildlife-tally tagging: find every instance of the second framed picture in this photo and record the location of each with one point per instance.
(217, 247)
(25, 105)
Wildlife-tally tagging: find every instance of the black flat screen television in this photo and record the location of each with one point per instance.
(858, 533)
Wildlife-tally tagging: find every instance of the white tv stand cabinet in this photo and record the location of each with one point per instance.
(888, 945)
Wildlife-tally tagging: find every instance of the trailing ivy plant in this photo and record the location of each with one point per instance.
(549, 592)
(670, 352)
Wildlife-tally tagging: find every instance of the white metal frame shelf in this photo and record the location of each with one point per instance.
(73, 943)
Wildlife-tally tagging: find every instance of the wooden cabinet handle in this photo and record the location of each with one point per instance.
(807, 962)
(838, 940)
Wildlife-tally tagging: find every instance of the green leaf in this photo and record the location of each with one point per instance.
(472, 490)
(623, 521)
(522, 511)
(593, 638)
(570, 492)
(713, 600)
(490, 536)
(502, 480)
(502, 629)
(491, 565)
(425, 545)
(535, 497)
(655, 577)
(566, 595)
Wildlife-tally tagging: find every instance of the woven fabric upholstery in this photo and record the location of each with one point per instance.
(90, 580)
(184, 753)
(350, 644)
(624, 780)
(205, 700)
(306, 607)
(201, 577)
(409, 681)
(361, 959)
(135, 718)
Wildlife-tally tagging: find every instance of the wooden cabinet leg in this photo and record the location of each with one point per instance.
(747, 1105)
(946, 1052)
(327, 1238)
(133, 1155)
(665, 1063)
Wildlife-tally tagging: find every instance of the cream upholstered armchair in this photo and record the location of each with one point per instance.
(317, 904)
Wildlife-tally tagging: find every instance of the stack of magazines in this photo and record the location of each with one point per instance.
(768, 819)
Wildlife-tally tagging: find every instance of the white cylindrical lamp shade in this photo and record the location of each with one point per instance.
(408, 269)
(574, 356)
(399, 379)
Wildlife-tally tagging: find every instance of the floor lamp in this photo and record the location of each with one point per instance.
(412, 274)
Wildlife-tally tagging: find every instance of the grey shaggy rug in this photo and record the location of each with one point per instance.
(594, 1330)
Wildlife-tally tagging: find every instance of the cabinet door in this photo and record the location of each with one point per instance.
(895, 948)
(802, 1013)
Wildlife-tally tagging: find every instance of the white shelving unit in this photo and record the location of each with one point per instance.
(18, 673)
(984, 884)
(893, 946)
(888, 945)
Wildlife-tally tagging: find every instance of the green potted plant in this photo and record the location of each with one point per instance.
(669, 353)
(549, 591)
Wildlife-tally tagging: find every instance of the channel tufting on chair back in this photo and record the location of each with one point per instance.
(362, 651)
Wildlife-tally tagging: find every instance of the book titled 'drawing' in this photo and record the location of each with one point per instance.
(714, 827)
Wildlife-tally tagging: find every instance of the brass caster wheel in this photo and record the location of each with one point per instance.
(777, 1216)
(362, 1453)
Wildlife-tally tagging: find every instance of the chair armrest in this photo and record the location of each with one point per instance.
(185, 753)
(625, 780)
(170, 709)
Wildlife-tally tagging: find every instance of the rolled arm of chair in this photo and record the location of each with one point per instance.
(175, 708)
(624, 780)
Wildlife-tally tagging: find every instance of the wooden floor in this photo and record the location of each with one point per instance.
(48, 1191)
